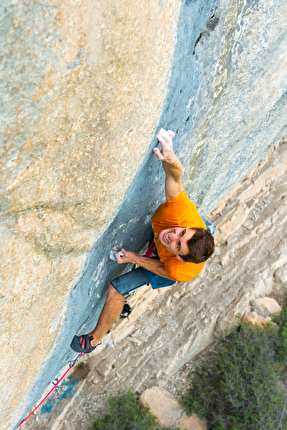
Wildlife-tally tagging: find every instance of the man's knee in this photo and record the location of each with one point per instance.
(113, 294)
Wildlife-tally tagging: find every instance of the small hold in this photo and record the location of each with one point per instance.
(112, 256)
(110, 344)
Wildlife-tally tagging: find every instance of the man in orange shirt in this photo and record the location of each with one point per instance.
(182, 245)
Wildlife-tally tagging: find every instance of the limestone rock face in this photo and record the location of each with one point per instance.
(266, 306)
(168, 327)
(168, 410)
(85, 86)
(281, 274)
(85, 83)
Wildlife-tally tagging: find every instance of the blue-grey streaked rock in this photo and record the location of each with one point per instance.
(84, 87)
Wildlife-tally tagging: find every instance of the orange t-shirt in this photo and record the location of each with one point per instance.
(178, 212)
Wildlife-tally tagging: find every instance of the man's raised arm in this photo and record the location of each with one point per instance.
(171, 164)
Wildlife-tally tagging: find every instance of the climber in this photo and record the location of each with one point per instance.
(182, 243)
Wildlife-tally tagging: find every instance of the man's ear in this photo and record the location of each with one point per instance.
(180, 259)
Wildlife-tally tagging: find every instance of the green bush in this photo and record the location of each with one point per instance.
(281, 337)
(126, 414)
(237, 389)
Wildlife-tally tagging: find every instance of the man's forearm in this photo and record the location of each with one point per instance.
(153, 265)
(173, 172)
(173, 169)
(171, 164)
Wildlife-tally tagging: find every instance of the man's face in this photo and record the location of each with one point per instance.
(175, 239)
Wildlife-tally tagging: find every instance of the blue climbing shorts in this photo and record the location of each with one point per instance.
(138, 278)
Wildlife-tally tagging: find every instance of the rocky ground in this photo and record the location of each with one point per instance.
(168, 328)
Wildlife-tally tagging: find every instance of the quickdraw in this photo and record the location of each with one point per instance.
(56, 388)
(56, 383)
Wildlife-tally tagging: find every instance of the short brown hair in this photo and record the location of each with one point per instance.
(201, 246)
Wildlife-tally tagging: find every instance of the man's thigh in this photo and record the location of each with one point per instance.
(138, 278)
(130, 281)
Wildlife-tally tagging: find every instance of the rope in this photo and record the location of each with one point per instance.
(72, 364)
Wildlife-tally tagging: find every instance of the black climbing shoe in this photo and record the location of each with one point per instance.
(126, 311)
(83, 344)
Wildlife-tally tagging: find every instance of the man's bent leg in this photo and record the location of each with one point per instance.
(110, 312)
(118, 289)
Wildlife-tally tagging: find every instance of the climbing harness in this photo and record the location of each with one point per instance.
(56, 386)
(150, 249)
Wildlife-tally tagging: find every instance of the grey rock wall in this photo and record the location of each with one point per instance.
(84, 89)
(168, 327)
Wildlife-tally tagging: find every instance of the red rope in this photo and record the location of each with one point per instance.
(81, 353)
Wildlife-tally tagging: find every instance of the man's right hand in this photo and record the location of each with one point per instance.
(166, 154)
(171, 164)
